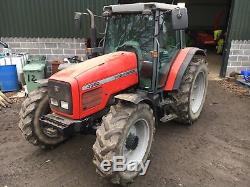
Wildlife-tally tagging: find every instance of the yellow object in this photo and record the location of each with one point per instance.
(4, 97)
(4, 101)
(219, 46)
(220, 42)
(217, 34)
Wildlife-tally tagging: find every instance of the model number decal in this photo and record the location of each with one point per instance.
(91, 85)
(109, 79)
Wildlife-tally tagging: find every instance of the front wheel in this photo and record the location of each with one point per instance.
(126, 131)
(33, 107)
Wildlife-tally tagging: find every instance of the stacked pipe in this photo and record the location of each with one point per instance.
(4, 101)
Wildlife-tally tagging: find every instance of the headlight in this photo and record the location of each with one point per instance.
(64, 105)
(62, 93)
(53, 102)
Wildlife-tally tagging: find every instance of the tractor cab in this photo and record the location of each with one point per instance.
(151, 30)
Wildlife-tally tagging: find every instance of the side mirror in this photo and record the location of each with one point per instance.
(77, 20)
(179, 19)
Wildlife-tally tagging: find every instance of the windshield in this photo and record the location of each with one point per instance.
(134, 30)
(129, 28)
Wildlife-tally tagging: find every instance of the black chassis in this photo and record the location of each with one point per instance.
(160, 103)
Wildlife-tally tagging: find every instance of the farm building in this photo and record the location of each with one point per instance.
(93, 96)
(46, 27)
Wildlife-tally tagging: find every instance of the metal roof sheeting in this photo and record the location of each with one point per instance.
(47, 18)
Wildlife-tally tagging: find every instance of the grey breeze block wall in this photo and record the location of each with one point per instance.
(52, 48)
(239, 57)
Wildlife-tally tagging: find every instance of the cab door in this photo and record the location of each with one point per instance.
(169, 45)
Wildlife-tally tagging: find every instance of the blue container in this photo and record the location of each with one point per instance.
(246, 75)
(8, 78)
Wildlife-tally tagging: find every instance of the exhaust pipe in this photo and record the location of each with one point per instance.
(93, 50)
(92, 31)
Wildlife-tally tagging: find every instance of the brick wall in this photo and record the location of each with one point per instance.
(239, 57)
(52, 48)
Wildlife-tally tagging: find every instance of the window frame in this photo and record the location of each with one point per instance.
(178, 44)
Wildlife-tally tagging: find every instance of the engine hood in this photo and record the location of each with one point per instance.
(95, 80)
(81, 68)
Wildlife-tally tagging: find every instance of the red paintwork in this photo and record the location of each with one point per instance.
(205, 38)
(175, 68)
(94, 70)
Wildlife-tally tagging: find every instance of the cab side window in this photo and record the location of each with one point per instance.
(169, 46)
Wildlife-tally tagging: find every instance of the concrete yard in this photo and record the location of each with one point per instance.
(215, 151)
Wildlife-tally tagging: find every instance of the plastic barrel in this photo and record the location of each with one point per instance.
(8, 78)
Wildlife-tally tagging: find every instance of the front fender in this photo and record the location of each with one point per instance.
(131, 97)
(137, 98)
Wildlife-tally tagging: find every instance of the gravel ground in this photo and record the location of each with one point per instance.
(215, 151)
(233, 86)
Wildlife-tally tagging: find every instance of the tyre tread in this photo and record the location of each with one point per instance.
(107, 139)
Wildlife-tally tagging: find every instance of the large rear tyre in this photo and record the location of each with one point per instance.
(33, 107)
(127, 130)
(193, 89)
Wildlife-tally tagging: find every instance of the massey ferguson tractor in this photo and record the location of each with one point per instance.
(141, 76)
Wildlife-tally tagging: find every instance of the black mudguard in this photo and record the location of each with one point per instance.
(192, 52)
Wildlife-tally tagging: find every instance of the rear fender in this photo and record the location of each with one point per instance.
(179, 67)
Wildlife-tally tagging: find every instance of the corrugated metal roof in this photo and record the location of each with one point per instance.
(47, 18)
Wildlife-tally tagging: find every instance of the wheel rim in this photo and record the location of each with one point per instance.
(136, 142)
(197, 93)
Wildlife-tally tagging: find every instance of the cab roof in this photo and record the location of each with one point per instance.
(138, 7)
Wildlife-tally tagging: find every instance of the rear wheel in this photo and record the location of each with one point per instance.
(192, 93)
(34, 106)
(127, 130)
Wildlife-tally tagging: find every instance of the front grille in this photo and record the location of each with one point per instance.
(61, 91)
(92, 98)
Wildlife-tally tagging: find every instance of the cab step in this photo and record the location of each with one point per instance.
(165, 103)
(168, 117)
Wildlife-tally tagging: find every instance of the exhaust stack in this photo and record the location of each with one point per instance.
(92, 31)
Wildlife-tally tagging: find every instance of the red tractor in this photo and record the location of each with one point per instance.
(142, 75)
